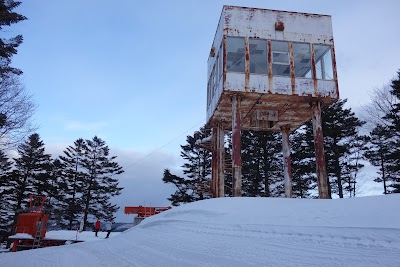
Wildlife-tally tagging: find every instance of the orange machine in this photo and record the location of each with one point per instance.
(34, 224)
(143, 212)
(35, 221)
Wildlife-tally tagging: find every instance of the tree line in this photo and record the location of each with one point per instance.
(346, 152)
(78, 184)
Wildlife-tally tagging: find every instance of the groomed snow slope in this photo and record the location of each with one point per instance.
(245, 232)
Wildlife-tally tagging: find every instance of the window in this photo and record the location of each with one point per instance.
(323, 62)
(280, 58)
(258, 56)
(302, 60)
(235, 54)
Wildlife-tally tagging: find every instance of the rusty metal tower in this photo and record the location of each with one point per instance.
(269, 70)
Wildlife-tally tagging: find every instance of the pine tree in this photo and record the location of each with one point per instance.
(8, 47)
(74, 178)
(56, 193)
(29, 176)
(340, 128)
(378, 154)
(303, 163)
(393, 117)
(30, 173)
(262, 167)
(5, 192)
(197, 168)
(98, 182)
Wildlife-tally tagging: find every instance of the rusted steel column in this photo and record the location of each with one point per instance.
(319, 151)
(236, 147)
(214, 162)
(221, 161)
(287, 168)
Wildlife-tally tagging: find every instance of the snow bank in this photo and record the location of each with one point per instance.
(244, 232)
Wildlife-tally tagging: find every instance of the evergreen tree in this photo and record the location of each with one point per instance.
(99, 185)
(56, 193)
(8, 47)
(262, 164)
(72, 161)
(343, 149)
(5, 192)
(393, 117)
(378, 154)
(197, 168)
(303, 163)
(30, 173)
(340, 127)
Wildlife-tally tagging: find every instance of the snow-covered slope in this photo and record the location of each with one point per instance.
(245, 232)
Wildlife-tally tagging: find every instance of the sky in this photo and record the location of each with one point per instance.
(356, 232)
(134, 73)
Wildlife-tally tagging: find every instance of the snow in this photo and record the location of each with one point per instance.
(244, 232)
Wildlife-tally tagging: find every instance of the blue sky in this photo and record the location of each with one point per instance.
(134, 72)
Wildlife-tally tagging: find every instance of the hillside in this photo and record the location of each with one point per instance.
(245, 232)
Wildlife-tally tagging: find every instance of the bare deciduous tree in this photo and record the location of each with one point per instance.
(16, 109)
(382, 102)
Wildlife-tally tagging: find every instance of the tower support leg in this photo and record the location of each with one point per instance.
(218, 160)
(287, 168)
(322, 177)
(236, 148)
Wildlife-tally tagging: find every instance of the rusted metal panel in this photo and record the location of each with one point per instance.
(235, 82)
(322, 177)
(236, 147)
(279, 26)
(259, 83)
(281, 85)
(287, 167)
(254, 22)
(304, 87)
(327, 88)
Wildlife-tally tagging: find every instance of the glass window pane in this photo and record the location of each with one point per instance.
(280, 46)
(302, 60)
(235, 54)
(281, 70)
(258, 56)
(323, 62)
(280, 58)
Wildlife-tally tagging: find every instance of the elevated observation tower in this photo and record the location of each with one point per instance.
(269, 70)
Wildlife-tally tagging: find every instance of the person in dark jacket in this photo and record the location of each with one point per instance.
(108, 229)
(97, 227)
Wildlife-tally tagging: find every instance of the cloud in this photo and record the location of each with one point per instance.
(142, 180)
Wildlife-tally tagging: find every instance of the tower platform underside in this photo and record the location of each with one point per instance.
(266, 111)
